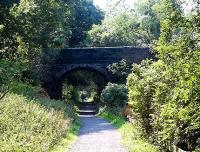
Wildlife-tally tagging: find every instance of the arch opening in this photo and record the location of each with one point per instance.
(82, 85)
(68, 76)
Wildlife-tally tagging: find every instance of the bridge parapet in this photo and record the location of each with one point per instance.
(103, 55)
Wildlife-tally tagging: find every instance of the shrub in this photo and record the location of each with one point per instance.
(32, 123)
(9, 71)
(114, 95)
(67, 91)
(166, 104)
(70, 93)
(120, 71)
(141, 91)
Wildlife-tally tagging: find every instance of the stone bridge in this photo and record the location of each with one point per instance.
(93, 59)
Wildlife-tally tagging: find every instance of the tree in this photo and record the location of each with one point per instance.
(165, 94)
(116, 31)
(31, 32)
(84, 16)
(136, 27)
(43, 25)
(8, 43)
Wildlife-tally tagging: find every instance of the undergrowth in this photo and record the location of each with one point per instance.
(67, 141)
(29, 122)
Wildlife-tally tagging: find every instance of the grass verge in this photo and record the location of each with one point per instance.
(131, 134)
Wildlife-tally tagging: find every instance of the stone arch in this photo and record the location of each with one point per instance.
(90, 67)
(54, 86)
(92, 59)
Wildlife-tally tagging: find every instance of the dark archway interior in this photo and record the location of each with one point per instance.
(85, 84)
(83, 79)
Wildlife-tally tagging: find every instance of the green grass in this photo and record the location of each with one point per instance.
(131, 134)
(32, 123)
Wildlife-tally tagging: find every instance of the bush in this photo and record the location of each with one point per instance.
(32, 123)
(9, 71)
(70, 93)
(120, 71)
(165, 94)
(166, 104)
(141, 86)
(114, 95)
(67, 91)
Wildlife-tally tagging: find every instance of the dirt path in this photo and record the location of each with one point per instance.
(97, 135)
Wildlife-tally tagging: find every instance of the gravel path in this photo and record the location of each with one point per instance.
(97, 135)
